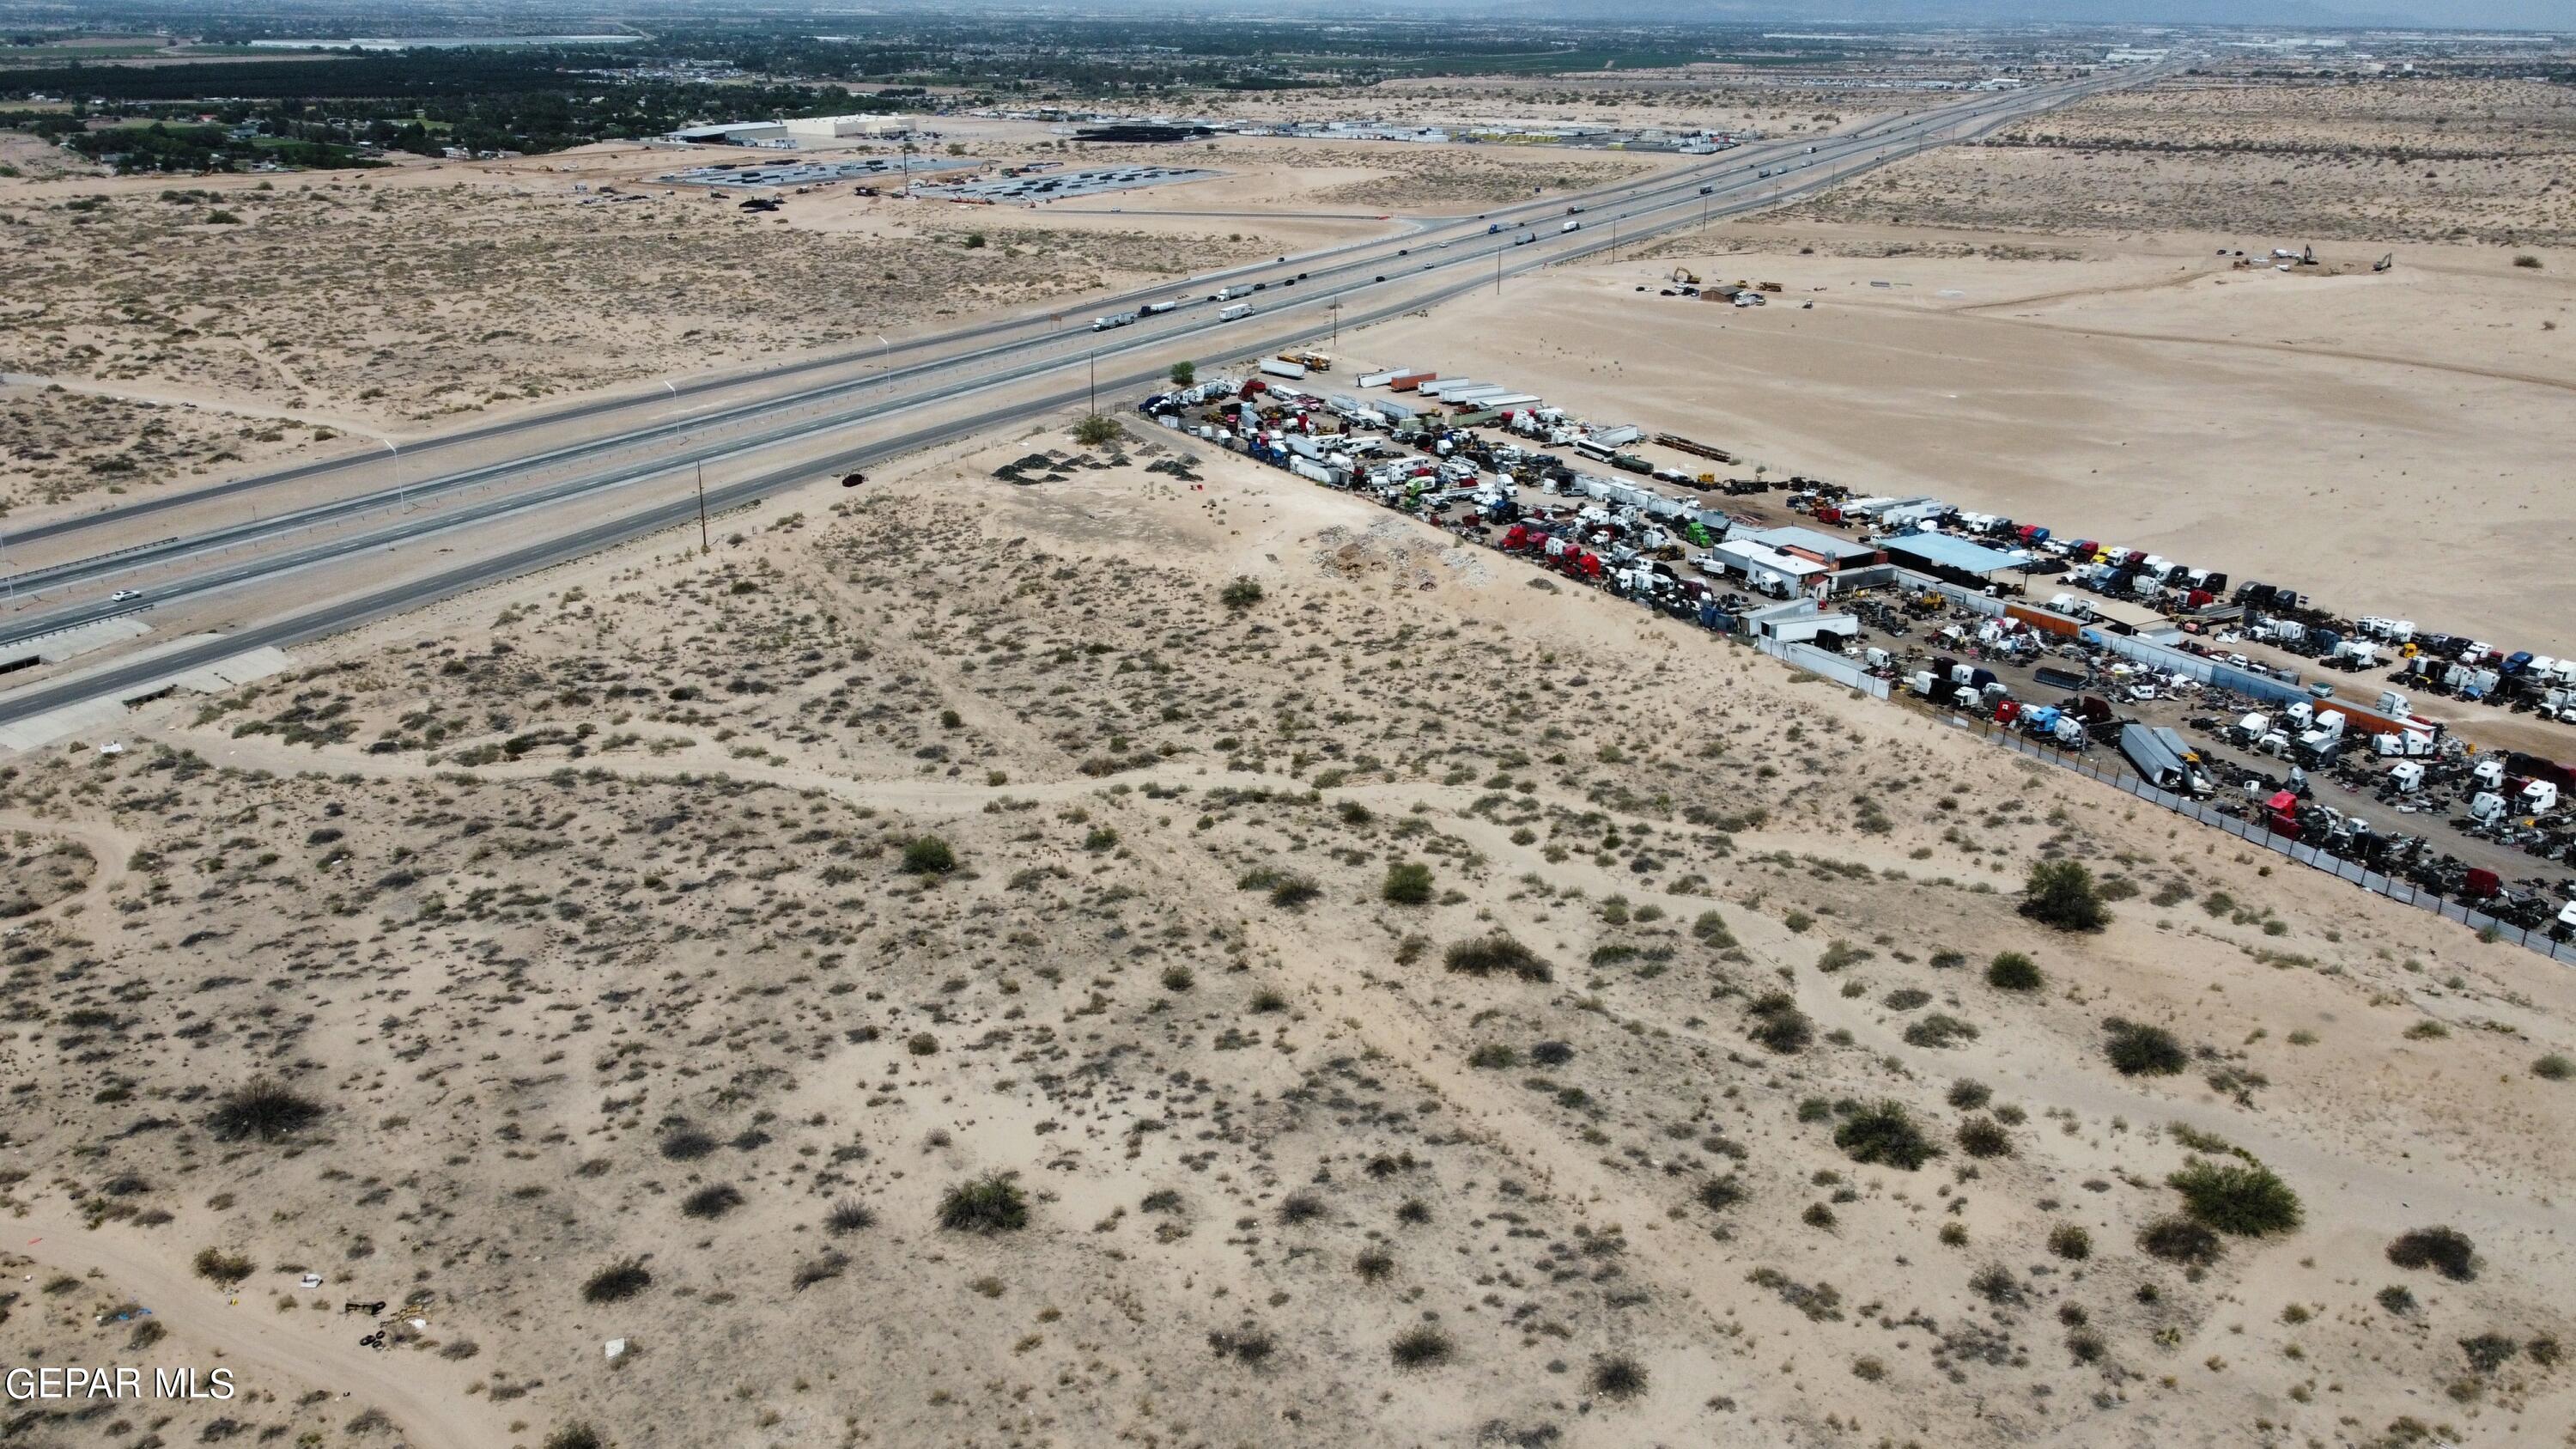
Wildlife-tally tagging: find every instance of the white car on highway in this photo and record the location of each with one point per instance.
(121, 595)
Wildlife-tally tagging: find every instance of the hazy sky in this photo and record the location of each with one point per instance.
(2471, 14)
(2521, 14)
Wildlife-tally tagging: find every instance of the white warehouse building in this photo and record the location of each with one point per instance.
(834, 128)
(791, 133)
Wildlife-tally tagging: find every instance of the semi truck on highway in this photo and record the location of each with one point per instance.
(1239, 309)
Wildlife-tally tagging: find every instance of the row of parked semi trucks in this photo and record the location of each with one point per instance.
(2311, 734)
(2442, 664)
(1614, 548)
(2453, 665)
(2160, 756)
(2277, 615)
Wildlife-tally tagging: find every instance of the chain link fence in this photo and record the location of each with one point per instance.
(2251, 833)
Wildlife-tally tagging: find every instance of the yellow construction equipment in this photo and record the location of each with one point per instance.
(1684, 276)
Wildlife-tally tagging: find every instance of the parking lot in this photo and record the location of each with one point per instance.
(1062, 185)
(814, 173)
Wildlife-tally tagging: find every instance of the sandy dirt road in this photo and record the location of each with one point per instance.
(281, 1353)
(107, 845)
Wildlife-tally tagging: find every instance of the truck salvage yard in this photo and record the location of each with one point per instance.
(2141, 674)
(1406, 728)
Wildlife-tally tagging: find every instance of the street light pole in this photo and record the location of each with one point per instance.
(704, 547)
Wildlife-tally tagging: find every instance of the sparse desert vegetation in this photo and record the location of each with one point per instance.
(1175, 955)
(2393, 159)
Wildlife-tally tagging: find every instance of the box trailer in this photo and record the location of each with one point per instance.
(2162, 759)
(1235, 312)
(1410, 381)
(1380, 379)
(1282, 367)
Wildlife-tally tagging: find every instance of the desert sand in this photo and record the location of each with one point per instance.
(1074, 945)
(2393, 160)
(594, 918)
(159, 333)
(2282, 426)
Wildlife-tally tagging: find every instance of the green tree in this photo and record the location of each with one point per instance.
(1184, 373)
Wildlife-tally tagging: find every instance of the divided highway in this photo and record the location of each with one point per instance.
(1387, 280)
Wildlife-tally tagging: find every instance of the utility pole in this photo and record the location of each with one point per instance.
(1498, 271)
(704, 547)
(1337, 319)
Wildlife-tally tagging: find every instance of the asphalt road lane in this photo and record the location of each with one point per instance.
(1964, 123)
(1747, 159)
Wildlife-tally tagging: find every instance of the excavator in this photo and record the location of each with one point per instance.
(1685, 277)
